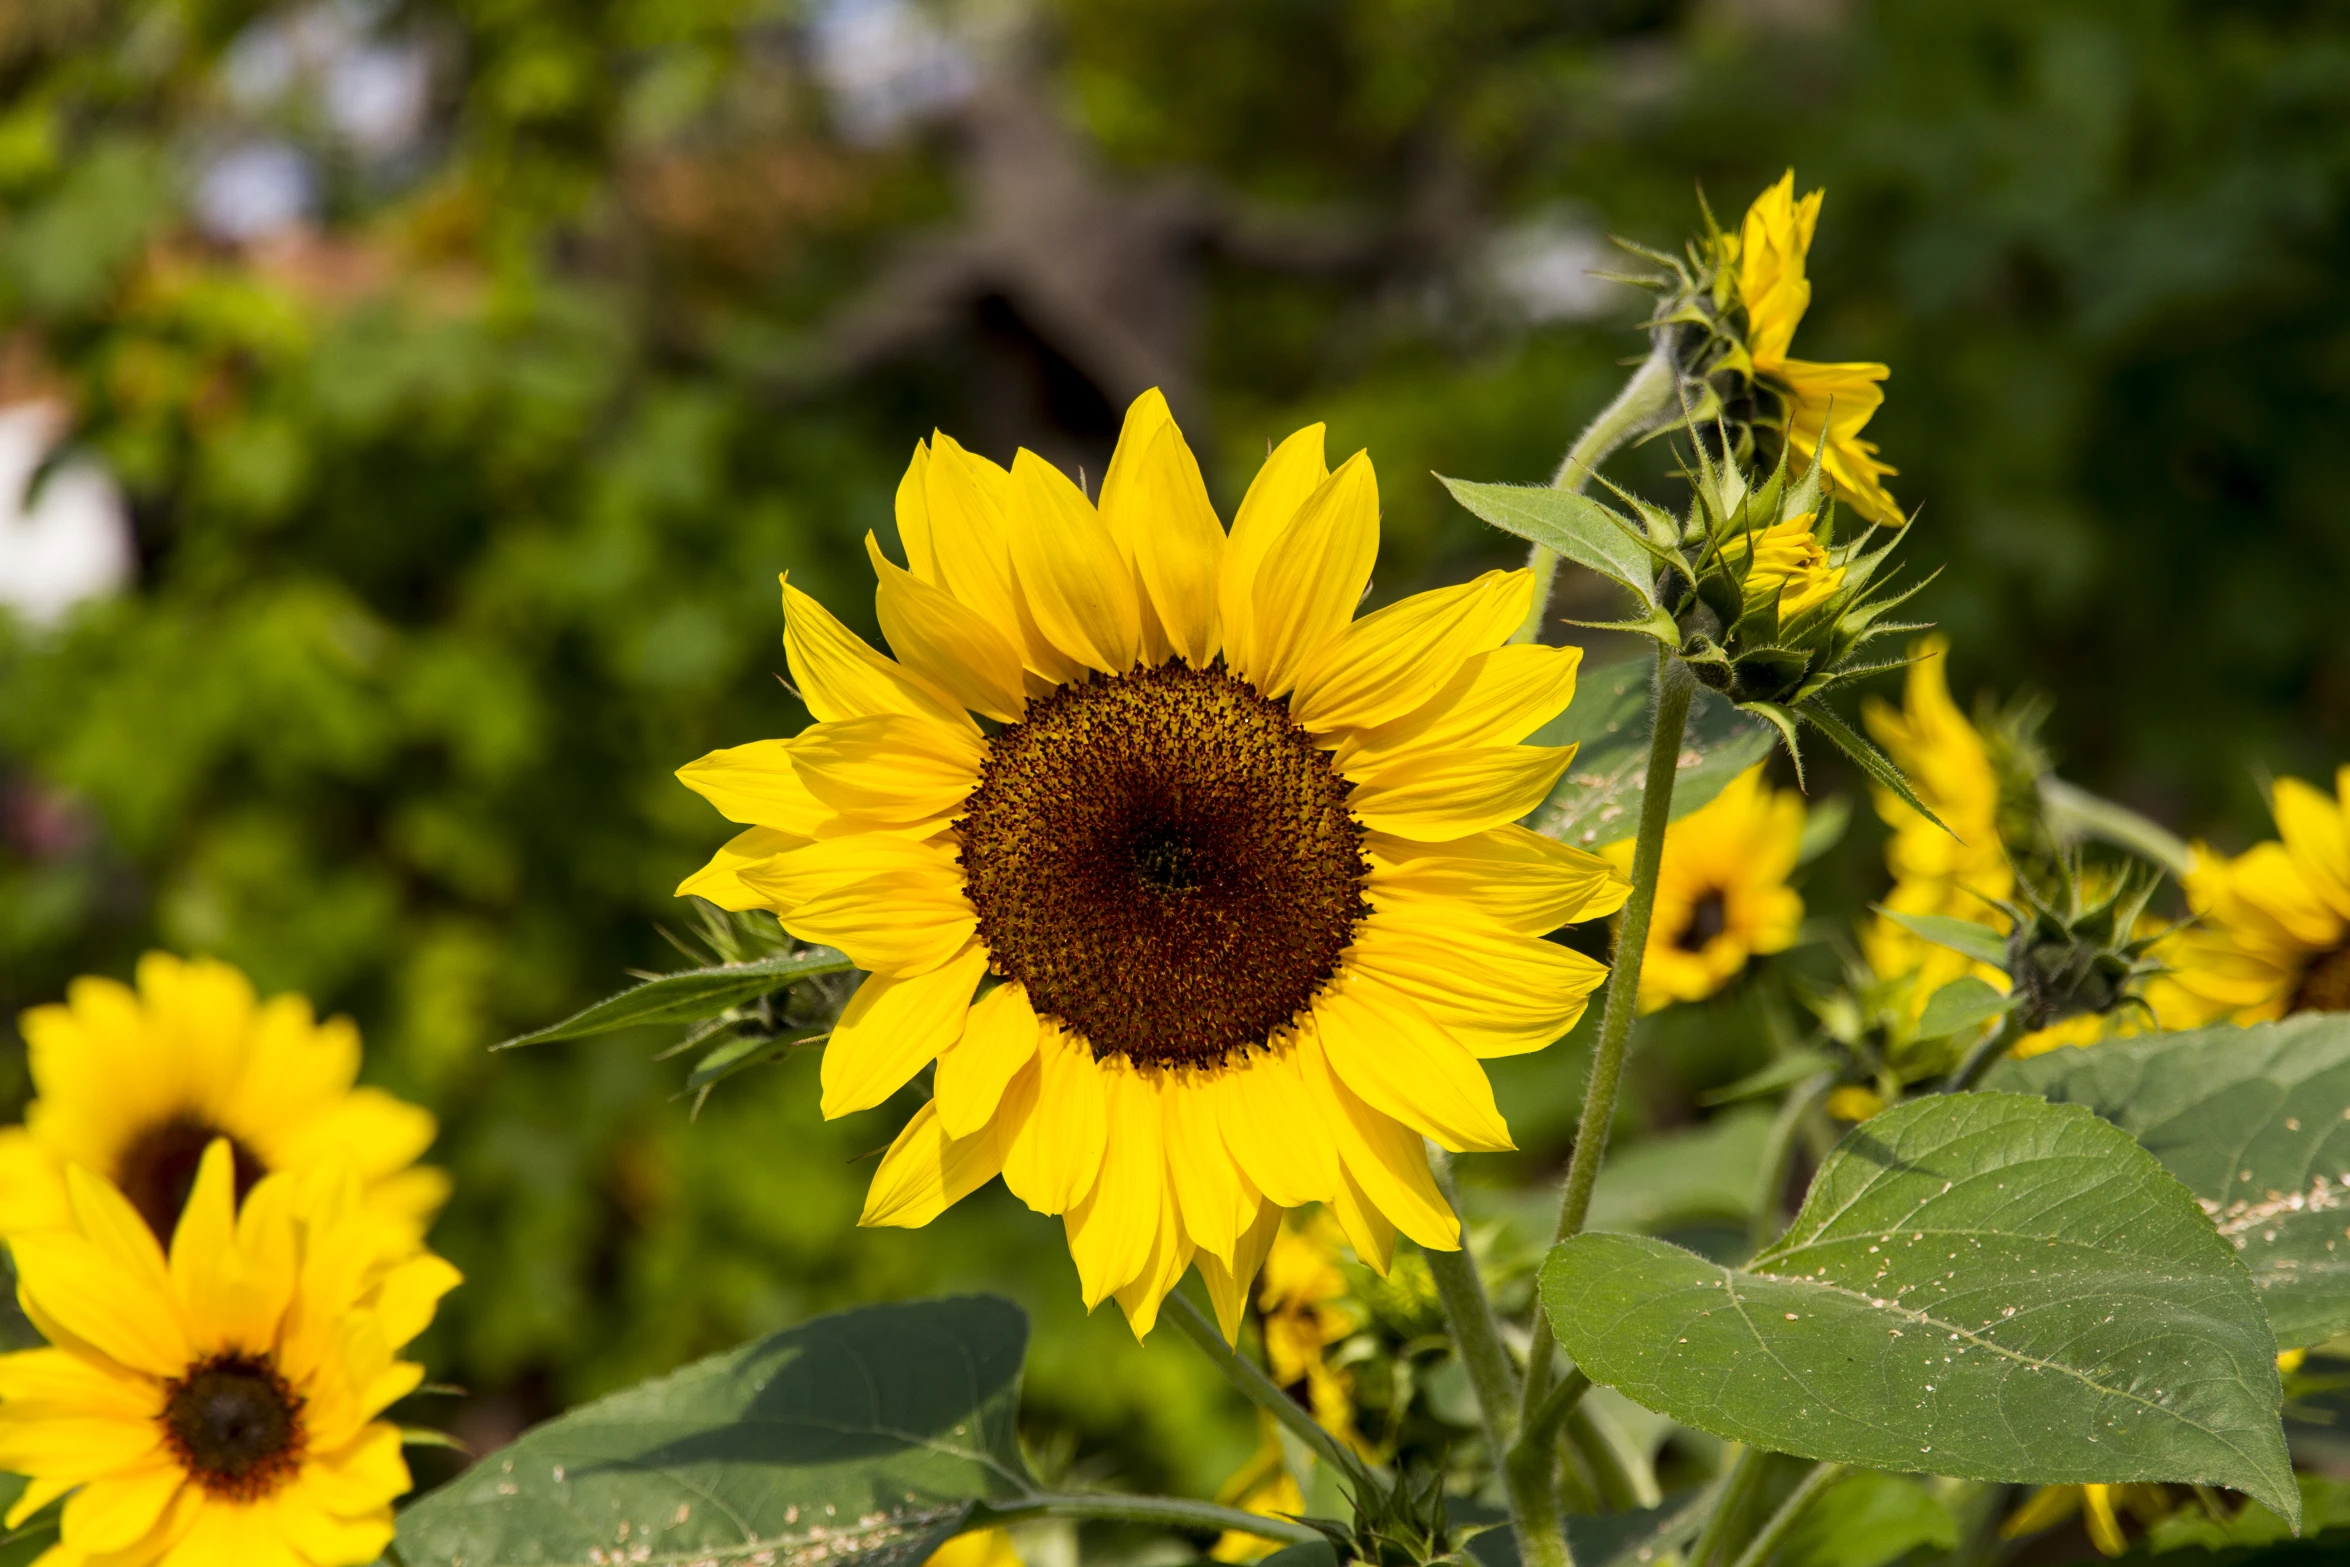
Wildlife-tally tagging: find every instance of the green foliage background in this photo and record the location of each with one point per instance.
(459, 530)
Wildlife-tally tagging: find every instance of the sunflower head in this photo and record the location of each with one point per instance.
(1734, 301)
(219, 1401)
(136, 1084)
(1203, 894)
(2081, 947)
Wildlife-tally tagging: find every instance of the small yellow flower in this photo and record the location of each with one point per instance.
(1791, 566)
(979, 1548)
(2272, 925)
(135, 1085)
(1721, 890)
(1771, 284)
(2053, 1504)
(1854, 1102)
(1957, 873)
(216, 1406)
(1263, 1486)
(1242, 867)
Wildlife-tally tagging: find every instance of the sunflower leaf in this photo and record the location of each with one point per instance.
(1965, 1003)
(689, 994)
(1598, 799)
(1979, 1285)
(871, 1434)
(1583, 530)
(2256, 1122)
(1964, 937)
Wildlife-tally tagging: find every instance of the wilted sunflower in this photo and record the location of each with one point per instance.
(1961, 869)
(215, 1406)
(1721, 890)
(135, 1085)
(1822, 406)
(1203, 894)
(2271, 934)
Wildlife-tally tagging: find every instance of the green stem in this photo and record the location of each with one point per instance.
(1729, 1500)
(1779, 1154)
(1542, 1541)
(1674, 687)
(1986, 1055)
(1601, 1446)
(1543, 1422)
(1172, 1512)
(1758, 1550)
(1649, 393)
(2074, 812)
(1258, 1387)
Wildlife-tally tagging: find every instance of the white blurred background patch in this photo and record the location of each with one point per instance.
(69, 542)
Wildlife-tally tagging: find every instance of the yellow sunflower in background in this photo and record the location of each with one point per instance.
(1961, 872)
(1721, 890)
(1825, 406)
(134, 1085)
(2271, 934)
(1202, 893)
(215, 1405)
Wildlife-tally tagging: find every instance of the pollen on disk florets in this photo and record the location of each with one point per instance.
(1166, 861)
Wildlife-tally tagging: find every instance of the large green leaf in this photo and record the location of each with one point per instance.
(866, 1437)
(1980, 1285)
(1587, 532)
(2256, 1122)
(1598, 801)
(690, 994)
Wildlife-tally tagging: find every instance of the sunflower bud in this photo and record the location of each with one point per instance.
(2077, 949)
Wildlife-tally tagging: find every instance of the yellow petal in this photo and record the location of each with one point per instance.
(406, 1298)
(892, 1028)
(927, 1172)
(999, 1039)
(1313, 576)
(1292, 473)
(894, 905)
(1273, 1131)
(1496, 698)
(1111, 1233)
(233, 1274)
(1771, 283)
(946, 641)
(1367, 1230)
(967, 495)
(2312, 827)
(1057, 1156)
(1071, 575)
(888, 767)
(913, 512)
(1395, 660)
(756, 784)
(117, 1510)
(840, 677)
(1401, 1062)
(1445, 795)
(1386, 1162)
(1153, 495)
(1171, 1252)
(1214, 1200)
(1497, 992)
(1518, 879)
(1228, 1287)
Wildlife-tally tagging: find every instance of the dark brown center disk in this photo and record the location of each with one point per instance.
(1709, 916)
(234, 1426)
(2325, 984)
(158, 1170)
(1166, 862)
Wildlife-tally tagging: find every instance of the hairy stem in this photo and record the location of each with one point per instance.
(1533, 1504)
(1730, 1494)
(1647, 396)
(1173, 1512)
(1986, 1055)
(1258, 1387)
(1674, 687)
(1758, 1550)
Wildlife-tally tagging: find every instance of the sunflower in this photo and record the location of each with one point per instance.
(1959, 872)
(2271, 935)
(1771, 285)
(215, 1407)
(134, 1085)
(1790, 565)
(1202, 894)
(1721, 890)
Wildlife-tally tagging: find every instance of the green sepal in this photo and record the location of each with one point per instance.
(1872, 761)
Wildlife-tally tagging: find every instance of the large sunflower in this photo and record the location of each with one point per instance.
(1721, 890)
(1822, 406)
(2271, 934)
(1203, 894)
(135, 1085)
(215, 1406)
